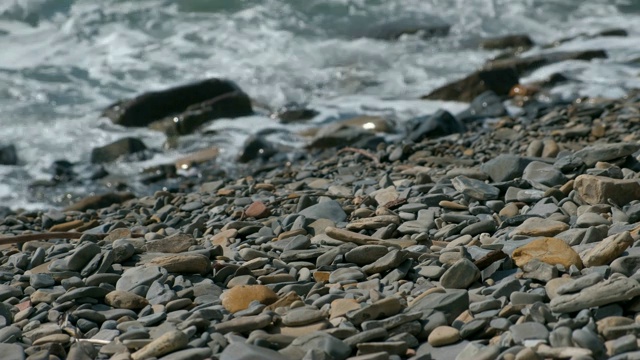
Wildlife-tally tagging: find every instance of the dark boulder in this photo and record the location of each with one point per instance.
(518, 41)
(99, 201)
(442, 123)
(345, 136)
(116, 149)
(391, 30)
(530, 63)
(485, 105)
(498, 80)
(291, 113)
(256, 147)
(8, 155)
(182, 109)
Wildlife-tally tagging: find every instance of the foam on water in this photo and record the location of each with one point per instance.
(62, 61)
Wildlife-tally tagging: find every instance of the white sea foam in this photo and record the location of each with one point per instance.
(64, 60)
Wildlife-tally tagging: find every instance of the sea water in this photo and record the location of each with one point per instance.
(63, 61)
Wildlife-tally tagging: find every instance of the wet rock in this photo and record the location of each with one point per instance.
(117, 149)
(8, 155)
(256, 147)
(439, 124)
(182, 108)
(499, 80)
(519, 41)
(485, 105)
(291, 113)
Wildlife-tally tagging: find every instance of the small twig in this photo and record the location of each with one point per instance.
(361, 152)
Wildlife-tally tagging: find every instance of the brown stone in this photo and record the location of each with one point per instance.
(607, 250)
(222, 238)
(303, 330)
(548, 250)
(240, 297)
(173, 244)
(257, 210)
(340, 307)
(444, 335)
(125, 300)
(183, 263)
(540, 227)
(226, 192)
(599, 189)
(321, 276)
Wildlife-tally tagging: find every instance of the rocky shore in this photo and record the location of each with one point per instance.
(490, 234)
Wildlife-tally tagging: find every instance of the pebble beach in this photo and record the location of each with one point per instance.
(507, 230)
(512, 241)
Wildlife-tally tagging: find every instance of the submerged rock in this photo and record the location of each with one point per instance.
(520, 41)
(8, 155)
(116, 149)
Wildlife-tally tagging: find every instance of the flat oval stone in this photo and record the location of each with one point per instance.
(346, 274)
(302, 316)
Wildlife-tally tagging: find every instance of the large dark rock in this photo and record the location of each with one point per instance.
(530, 63)
(116, 149)
(8, 155)
(498, 80)
(256, 147)
(391, 30)
(441, 123)
(292, 113)
(518, 41)
(182, 109)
